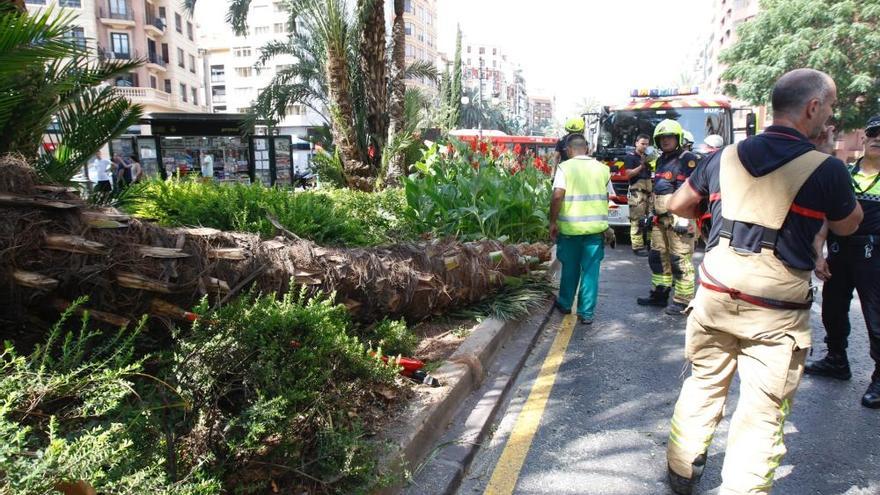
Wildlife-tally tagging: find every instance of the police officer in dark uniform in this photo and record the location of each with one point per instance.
(854, 263)
(672, 237)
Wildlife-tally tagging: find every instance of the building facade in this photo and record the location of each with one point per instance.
(495, 78)
(540, 112)
(157, 31)
(234, 77)
(420, 26)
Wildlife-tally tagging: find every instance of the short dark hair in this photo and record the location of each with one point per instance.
(576, 140)
(642, 136)
(796, 88)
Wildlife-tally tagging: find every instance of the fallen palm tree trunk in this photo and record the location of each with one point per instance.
(132, 267)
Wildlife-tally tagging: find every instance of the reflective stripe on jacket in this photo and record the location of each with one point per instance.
(585, 207)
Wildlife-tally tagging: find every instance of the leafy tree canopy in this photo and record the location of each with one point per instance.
(839, 37)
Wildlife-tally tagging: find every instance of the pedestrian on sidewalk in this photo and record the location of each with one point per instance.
(637, 168)
(769, 196)
(101, 167)
(853, 264)
(578, 221)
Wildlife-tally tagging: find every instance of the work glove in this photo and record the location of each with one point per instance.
(610, 237)
(681, 225)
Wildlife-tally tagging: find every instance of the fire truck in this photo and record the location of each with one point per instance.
(612, 131)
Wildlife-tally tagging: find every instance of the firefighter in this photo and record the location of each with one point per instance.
(672, 237)
(688, 141)
(769, 196)
(573, 126)
(854, 263)
(638, 172)
(578, 223)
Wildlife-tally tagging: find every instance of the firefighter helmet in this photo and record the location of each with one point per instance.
(688, 137)
(574, 124)
(668, 127)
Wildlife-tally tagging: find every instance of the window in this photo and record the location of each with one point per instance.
(408, 28)
(407, 6)
(180, 60)
(242, 51)
(168, 86)
(77, 36)
(258, 30)
(126, 80)
(421, 35)
(280, 27)
(482, 50)
(296, 109)
(192, 64)
(69, 3)
(195, 96)
(429, 19)
(178, 23)
(119, 8)
(154, 83)
(183, 95)
(35, 2)
(165, 57)
(243, 71)
(243, 92)
(162, 13)
(218, 94)
(494, 51)
(189, 30)
(469, 49)
(119, 45)
(218, 73)
(410, 51)
(278, 8)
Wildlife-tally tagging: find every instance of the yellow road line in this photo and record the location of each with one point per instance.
(507, 470)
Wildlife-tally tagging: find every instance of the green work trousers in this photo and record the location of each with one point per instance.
(580, 256)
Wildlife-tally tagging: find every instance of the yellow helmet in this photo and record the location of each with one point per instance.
(574, 124)
(668, 127)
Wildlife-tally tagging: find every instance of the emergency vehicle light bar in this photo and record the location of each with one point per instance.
(657, 92)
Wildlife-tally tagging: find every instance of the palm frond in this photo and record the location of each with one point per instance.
(516, 300)
(237, 16)
(422, 69)
(29, 40)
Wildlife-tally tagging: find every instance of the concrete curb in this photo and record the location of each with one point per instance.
(428, 415)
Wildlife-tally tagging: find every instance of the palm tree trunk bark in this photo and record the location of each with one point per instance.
(398, 91)
(357, 173)
(55, 250)
(373, 66)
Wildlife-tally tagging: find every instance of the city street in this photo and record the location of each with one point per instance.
(603, 429)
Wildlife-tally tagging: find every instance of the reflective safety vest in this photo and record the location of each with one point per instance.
(585, 207)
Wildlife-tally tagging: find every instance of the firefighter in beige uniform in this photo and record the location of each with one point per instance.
(637, 168)
(769, 197)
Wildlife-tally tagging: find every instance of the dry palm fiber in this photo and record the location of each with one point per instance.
(53, 248)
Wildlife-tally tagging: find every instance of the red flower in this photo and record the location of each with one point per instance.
(371, 152)
(517, 148)
(483, 146)
(474, 145)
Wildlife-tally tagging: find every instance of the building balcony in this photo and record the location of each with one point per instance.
(116, 19)
(155, 100)
(154, 26)
(156, 62)
(107, 54)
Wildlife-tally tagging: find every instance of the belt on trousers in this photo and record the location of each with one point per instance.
(764, 302)
(640, 190)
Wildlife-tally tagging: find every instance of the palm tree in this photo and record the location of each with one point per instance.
(48, 81)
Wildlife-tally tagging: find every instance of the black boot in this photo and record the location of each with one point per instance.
(685, 486)
(643, 252)
(833, 365)
(871, 399)
(658, 297)
(676, 308)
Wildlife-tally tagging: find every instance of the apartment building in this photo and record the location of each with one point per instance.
(541, 112)
(157, 31)
(420, 26)
(495, 78)
(234, 76)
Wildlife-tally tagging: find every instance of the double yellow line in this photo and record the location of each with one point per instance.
(506, 472)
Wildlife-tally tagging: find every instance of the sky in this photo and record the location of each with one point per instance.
(571, 49)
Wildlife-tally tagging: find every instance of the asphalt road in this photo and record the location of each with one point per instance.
(605, 424)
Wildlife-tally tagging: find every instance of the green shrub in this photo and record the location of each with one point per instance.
(282, 373)
(333, 217)
(70, 411)
(474, 195)
(394, 338)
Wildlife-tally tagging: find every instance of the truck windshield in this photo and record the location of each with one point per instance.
(619, 128)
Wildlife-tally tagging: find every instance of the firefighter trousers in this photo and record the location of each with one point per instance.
(637, 199)
(580, 256)
(767, 347)
(854, 264)
(671, 259)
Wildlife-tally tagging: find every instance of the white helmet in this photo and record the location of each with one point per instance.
(714, 141)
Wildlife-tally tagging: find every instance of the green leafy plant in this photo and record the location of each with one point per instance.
(478, 194)
(393, 337)
(328, 217)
